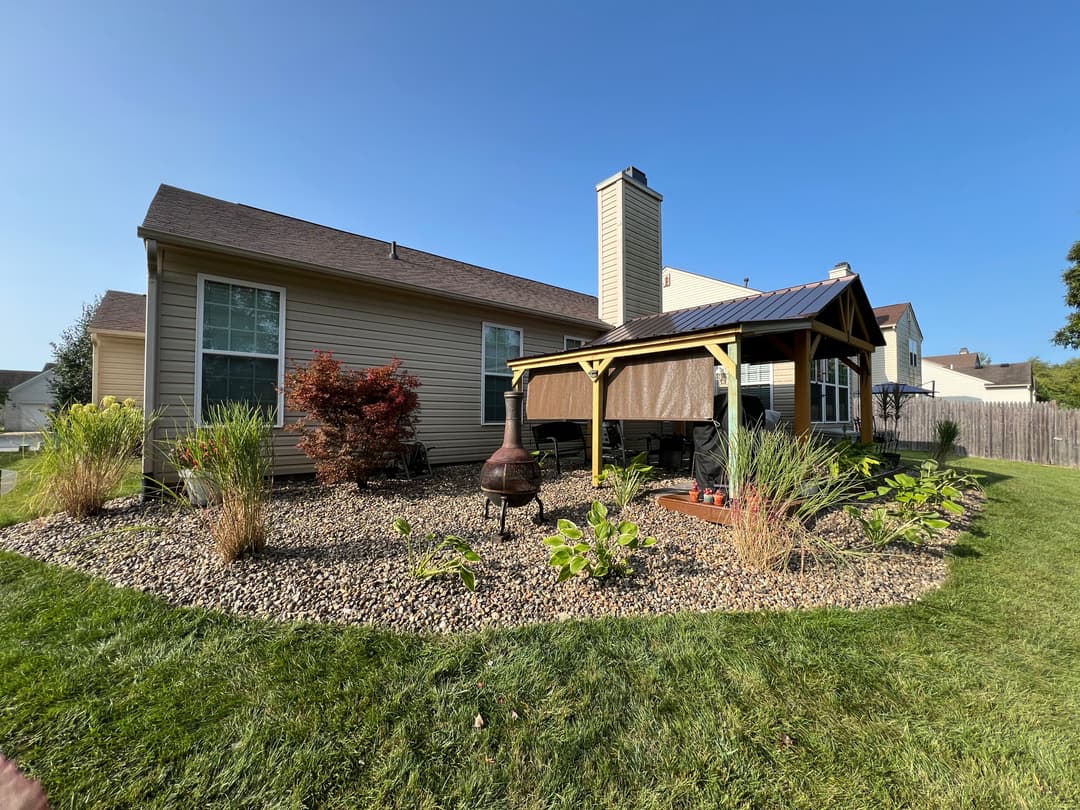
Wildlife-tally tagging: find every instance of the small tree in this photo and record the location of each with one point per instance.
(356, 421)
(74, 355)
(1069, 335)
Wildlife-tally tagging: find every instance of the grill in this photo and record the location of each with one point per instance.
(511, 477)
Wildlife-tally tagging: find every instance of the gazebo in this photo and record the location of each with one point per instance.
(661, 367)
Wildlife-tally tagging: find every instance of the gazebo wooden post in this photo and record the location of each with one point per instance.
(866, 399)
(597, 371)
(802, 383)
(734, 413)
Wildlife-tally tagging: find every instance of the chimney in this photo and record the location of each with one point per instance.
(630, 256)
(842, 270)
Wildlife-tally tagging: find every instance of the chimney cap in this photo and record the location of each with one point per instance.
(841, 270)
(637, 174)
(963, 350)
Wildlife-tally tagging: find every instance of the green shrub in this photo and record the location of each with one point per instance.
(242, 467)
(86, 451)
(609, 552)
(451, 555)
(628, 482)
(917, 508)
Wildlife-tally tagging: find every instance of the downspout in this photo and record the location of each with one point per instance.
(153, 285)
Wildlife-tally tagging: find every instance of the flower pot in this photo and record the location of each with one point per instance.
(200, 487)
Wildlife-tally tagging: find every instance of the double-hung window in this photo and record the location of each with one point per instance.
(755, 380)
(241, 345)
(501, 343)
(913, 352)
(830, 392)
(569, 343)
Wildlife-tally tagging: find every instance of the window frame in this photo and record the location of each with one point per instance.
(200, 300)
(483, 366)
(913, 352)
(581, 342)
(834, 387)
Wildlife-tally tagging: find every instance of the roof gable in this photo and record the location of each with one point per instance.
(120, 312)
(185, 217)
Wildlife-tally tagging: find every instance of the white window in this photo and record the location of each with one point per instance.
(830, 391)
(572, 343)
(913, 352)
(501, 343)
(240, 345)
(755, 380)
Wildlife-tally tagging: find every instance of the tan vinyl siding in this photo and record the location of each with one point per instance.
(118, 367)
(784, 389)
(611, 253)
(642, 253)
(437, 340)
(683, 289)
(906, 330)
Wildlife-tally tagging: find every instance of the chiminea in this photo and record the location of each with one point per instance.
(511, 477)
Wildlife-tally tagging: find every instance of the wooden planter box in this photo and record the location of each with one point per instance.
(702, 511)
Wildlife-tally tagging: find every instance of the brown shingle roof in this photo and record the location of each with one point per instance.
(1003, 373)
(120, 312)
(195, 218)
(889, 314)
(961, 361)
(9, 378)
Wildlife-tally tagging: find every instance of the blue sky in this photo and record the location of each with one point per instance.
(934, 146)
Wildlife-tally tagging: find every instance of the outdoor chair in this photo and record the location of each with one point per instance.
(414, 461)
(614, 450)
(562, 439)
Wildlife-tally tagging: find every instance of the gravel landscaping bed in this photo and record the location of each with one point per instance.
(333, 556)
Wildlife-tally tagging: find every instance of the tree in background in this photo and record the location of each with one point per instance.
(1069, 335)
(1060, 383)
(74, 358)
(356, 421)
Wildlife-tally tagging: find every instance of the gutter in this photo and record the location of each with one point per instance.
(252, 255)
(153, 287)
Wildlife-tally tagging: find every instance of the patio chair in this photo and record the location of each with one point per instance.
(562, 439)
(414, 461)
(612, 446)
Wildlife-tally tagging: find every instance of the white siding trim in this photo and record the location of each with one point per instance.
(483, 364)
(280, 356)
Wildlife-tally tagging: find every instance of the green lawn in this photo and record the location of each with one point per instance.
(17, 506)
(968, 699)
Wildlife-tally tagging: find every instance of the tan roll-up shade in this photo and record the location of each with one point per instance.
(669, 388)
(559, 393)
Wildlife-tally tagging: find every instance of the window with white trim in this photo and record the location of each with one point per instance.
(500, 344)
(240, 355)
(754, 380)
(572, 343)
(830, 391)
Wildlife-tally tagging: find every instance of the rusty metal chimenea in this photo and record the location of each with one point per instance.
(511, 477)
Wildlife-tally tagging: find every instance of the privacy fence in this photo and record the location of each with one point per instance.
(1042, 432)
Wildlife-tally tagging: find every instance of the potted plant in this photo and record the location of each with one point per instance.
(193, 455)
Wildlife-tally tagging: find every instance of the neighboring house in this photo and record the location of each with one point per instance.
(9, 378)
(963, 377)
(117, 332)
(28, 403)
(900, 359)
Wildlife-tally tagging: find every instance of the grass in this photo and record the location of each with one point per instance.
(17, 506)
(967, 699)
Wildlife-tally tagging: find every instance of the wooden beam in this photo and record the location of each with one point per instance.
(848, 362)
(599, 388)
(833, 332)
(785, 348)
(815, 341)
(730, 367)
(734, 413)
(516, 382)
(802, 383)
(866, 399)
(859, 318)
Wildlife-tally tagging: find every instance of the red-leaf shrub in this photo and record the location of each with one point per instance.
(356, 420)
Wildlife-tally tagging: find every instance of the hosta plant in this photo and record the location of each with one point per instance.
(432, 557)
(917, 508)
(608, 553)
(627, 482)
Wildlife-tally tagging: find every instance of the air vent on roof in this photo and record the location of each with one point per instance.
(393, 250)
(637, 174)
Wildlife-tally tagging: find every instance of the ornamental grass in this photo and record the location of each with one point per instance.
(85, 453)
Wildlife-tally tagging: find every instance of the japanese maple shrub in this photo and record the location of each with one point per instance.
(356, 420)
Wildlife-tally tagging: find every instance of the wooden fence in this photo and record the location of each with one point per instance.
(1042, 432)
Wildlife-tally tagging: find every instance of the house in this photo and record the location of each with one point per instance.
(235, 294)
(900, 359)
(9, 378)
(28, 403)
(117, 332)
(963, 376)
